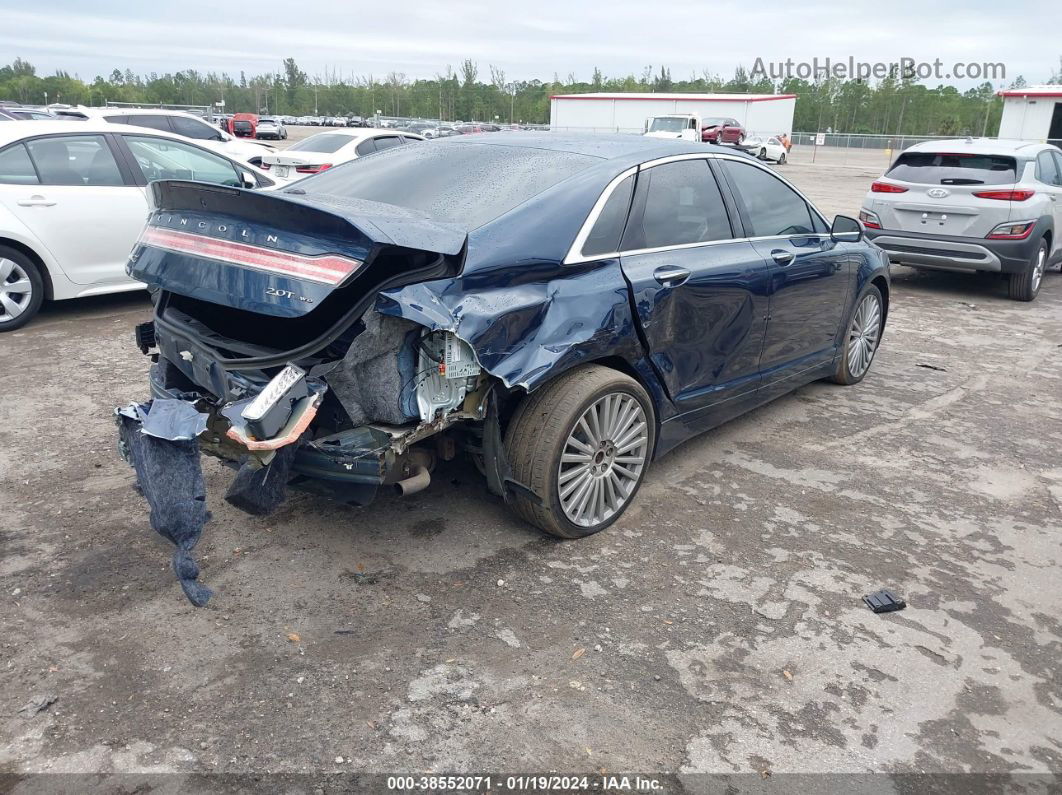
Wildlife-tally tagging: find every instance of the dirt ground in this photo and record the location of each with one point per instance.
(718, 627)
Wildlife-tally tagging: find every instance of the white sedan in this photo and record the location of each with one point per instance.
(765, 148)
(73, 200)
(324, 150)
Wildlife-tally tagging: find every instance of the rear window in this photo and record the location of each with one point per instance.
(932, 168)
(464, 184)
(327, 143)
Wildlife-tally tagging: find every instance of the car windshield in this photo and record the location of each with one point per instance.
(464, 184)
(325, 143)
(668, 124)
(937, 168)
(713, 122)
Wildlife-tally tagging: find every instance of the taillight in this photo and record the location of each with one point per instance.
(1012, 230)
(869, 219)
(1006, 195)
(313, 169)
(330, 269)
(264, 166)
(885, 187)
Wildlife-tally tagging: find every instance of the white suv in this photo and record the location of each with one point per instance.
(984, 205)
(185, 124)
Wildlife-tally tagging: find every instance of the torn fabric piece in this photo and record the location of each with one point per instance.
(376, 379)
(170, 477)
(259, 490)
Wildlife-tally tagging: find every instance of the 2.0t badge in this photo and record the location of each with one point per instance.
(287, 294)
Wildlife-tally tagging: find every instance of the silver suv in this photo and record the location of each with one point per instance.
(981, 205)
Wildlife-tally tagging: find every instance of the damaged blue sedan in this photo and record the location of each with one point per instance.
(564, 310)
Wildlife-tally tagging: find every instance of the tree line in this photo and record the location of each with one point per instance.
(888, 106)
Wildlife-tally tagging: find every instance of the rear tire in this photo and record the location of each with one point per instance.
(21, 289)
(861, 338)
(781, 159)
(581, 445)
(1025, 286)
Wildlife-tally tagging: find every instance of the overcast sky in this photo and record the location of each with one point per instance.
(526, 38)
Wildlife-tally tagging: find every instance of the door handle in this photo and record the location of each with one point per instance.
(35, 201)
(671, 275)
(782, 257)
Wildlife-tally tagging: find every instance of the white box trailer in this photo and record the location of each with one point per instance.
(1033, 113)
(759, 114)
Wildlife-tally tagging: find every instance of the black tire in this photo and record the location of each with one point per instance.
(763, 154)
(845, 374)
(1025, 286)
(537, 435)
(23, 266)
(781, 159)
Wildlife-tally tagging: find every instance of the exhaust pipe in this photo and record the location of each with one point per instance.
(418, 481)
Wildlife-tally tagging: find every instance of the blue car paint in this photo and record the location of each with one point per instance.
(529, 317)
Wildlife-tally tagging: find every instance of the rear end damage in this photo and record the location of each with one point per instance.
(269, 354)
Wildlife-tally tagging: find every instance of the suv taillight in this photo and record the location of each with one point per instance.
(1012, 230)
(869, 219)
(1005, 195)
(886, 187)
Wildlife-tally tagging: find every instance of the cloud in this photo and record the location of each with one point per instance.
(422, 37)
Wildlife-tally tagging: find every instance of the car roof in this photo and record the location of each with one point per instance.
(359, 132)
(96, 112)
(626, 148)
(981, 146)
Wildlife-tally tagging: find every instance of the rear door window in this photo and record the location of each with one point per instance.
(191, 128)
(162, 158)
(74, 160)
(771, 207)
(1047, 169)
(677, 204)
(366, 147)
(934, 168)
(388, 142)
(16, 168)
(150, 120)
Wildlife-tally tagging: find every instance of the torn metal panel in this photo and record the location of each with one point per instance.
(170, 419)
(527, 330)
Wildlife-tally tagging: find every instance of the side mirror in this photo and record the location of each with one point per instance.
(846, 230)
(248, 179)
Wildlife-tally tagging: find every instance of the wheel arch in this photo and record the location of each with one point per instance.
(36, 259)
(882, 284)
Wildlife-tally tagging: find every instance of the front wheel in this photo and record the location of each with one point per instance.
(1025, 286)
(763, 154)
(21, 289)
(581, 445)
(781, 159)
(861, 339)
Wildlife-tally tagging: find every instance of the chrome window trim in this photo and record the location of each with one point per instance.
(576, 257)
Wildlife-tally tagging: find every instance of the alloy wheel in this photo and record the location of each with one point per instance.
(1038, 268)
(16, 290)
(863, 335)
(603, 459)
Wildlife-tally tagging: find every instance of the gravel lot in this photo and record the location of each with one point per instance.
(717, 628)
